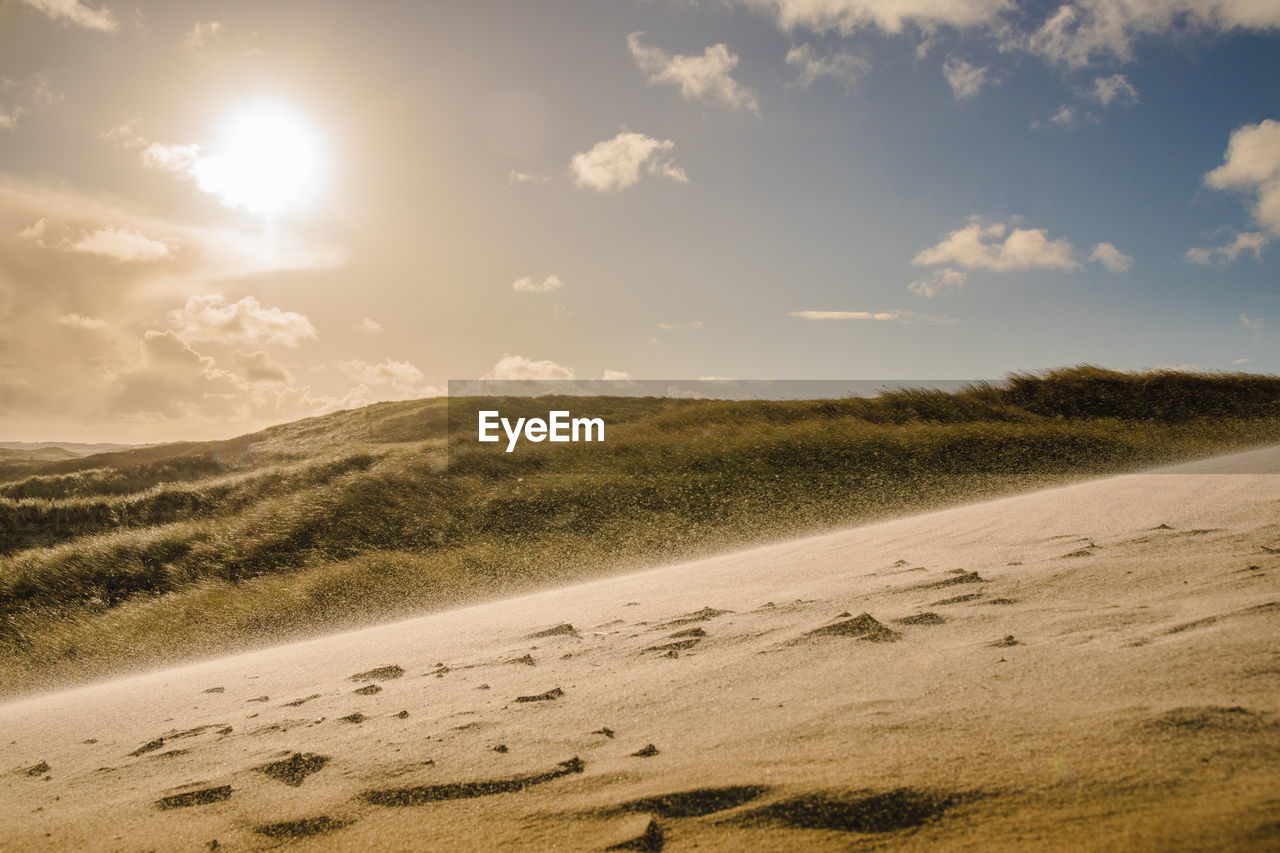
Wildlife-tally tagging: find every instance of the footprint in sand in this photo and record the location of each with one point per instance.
(295, 769)
(201, 797)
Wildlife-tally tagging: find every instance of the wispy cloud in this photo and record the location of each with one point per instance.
(1116, 86)
(75, 13)
(619, 163)
(908, 317)
(941, 281)
(843, 67)
(528, 284)
(965, 79)
(200, 34)
(699, 78)
(1248, 241)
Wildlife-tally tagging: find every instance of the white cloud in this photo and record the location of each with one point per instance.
(73, 12)
(210, 317)
(1108, 89)
(1064, 118)
(9, 119)
(120, 245)
(201, 32)
(940, 282)
(1082, 31)
(1111, 257)
(1251, 324)
(699, 78)
(687, 327)
(517, 177)
(909, 317)
(1252, 165)
(841, 66)
(1241, 360)
(79, 321)
(617, 375)
(370, 325)
(999, 248)
(386, 380)
(1248, 241)
(966, 80)
(528, 284)
(519, 367)
(849, 16)
(618, 163)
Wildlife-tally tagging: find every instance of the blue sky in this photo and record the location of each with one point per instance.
(218, 217)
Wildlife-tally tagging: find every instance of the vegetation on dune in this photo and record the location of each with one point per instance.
(137, 557)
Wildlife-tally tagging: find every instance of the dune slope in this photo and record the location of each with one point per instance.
(1087, 667)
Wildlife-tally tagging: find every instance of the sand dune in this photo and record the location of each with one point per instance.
(1091, 667)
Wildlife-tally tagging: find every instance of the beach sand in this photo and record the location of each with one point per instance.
(1088, 667)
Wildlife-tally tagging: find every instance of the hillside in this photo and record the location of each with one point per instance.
(135, 557)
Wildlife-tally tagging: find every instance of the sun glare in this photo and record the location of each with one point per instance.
(268, 159)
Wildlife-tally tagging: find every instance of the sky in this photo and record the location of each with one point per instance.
(219, 216)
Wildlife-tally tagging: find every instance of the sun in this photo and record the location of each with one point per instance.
(267, 160)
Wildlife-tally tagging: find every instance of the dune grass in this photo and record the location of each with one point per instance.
(137, 558)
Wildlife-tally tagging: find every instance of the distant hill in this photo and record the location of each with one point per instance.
(140, 555)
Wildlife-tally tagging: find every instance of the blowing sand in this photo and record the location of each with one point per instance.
(1091, 667)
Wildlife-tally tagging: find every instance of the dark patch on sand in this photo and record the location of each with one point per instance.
(864, 811)
(304, 700)
(302, 828)
(36, 769)
(368, 690)
(295, 769)
(553, 693)
(694, 803)
(527, 660)
(959, 599)
(926, 618)
(564, 629)
(1005, 642)
(1213, 718)
(706, 614)
(863, 627)
(688, 632)
(646, 751)
(379, 673)
(215, 690)
(201, 797)
(423, 794)
(149, 746)
(352, 718)
(960, 576)
(677, 646)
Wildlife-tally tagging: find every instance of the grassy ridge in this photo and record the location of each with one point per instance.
(160, 553)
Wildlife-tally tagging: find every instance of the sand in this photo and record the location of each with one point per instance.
(1090, 667)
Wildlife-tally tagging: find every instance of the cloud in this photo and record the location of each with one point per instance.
(1001, 249)
(908, 317)
(941, 281)
(79, 321)
(174, 381)
(1248, 241)
(842, 66)
(1108, 89)
(616, 164)
(1080, 32)
(966, 80)
(699, 78)
(25, 95)
(210, 317)
(369, 325)
(517, 177)
(1241, 360)
(200, 33)
(1251, 324)
(686, 328)
(519, 367)
(1111, 257)
(1252, 165)
(259, 366)
(386, 380)
(120, 245)
(528, 284)
(1064, 118)
(75, 13)
(850, 16)
(617, 375)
